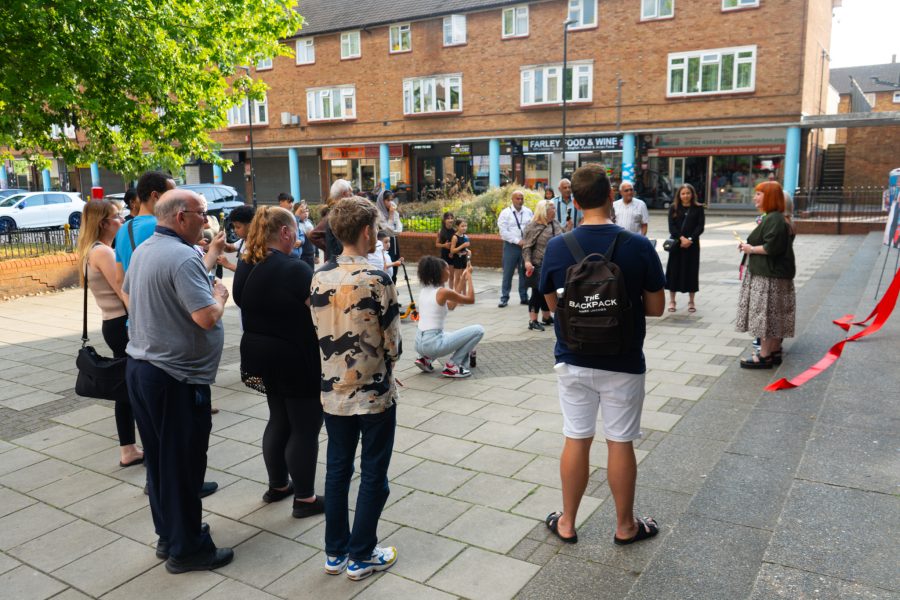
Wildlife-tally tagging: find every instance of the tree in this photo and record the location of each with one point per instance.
(143, 82)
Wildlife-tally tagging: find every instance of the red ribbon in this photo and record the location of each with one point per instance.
(882, 313)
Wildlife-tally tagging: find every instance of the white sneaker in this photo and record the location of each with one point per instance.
(335, 565)
(455, 371)
(382, 559)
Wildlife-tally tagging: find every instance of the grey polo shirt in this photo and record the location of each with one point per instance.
(166, 282)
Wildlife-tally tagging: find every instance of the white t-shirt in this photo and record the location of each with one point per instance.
(632, 215)
(376, 259)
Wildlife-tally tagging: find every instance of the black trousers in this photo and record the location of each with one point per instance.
(174, 420)
(115, 334)
(537, 302)
(291, 442)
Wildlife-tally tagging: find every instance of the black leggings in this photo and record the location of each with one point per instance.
(537, 301)
(394, 253)
(291, 442)
(115, 334)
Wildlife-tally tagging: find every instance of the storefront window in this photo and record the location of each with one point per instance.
(537, 171)
(767, 167)
(732, 180)
(342, 169)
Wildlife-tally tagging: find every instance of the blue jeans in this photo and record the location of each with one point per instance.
(512, 261)
(435, 342)
(377, 431)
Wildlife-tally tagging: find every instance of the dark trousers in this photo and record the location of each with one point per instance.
(377, 432)
(174, 420)
(537, 301)
(512, 262)
(115, 334)
(291, 442)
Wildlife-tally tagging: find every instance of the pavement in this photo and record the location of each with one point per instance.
(759, 495)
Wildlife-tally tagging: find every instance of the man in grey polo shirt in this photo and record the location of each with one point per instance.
(175, 345)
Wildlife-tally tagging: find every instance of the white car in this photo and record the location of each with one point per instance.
(40, 209)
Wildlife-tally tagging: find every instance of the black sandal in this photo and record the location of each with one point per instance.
(646, 529)
(552, 522)
(758, 361)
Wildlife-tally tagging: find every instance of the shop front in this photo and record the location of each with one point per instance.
(360, 165)
(456, 166)
(545, 163)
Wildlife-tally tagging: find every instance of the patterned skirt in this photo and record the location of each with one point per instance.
(766, 306)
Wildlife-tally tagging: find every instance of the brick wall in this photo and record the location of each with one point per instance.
(872, 151)
(42, 274)
(487, 249)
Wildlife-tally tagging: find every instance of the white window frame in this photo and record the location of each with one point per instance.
(550, 79)
(578, 5)
(56, 131)
(315, 106)
(679, 61)
(397, 31)
(309, 51)
(347, 45)
(516, 11)
(265, 64)
(657, 10)
(238, 117)
(429, 101)
(454, 30)
(739, 4)
(896, 98)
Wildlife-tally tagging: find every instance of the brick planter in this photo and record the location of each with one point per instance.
(24, 276)
(487, 249)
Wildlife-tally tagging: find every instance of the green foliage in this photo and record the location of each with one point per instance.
(143, 81)
(480, 212)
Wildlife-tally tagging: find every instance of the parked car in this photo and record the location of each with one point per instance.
(40, 209)
(11, 192)
(220, 201)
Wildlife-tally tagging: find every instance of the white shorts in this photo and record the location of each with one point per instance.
(618, 396)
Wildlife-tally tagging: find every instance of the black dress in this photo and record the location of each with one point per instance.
(683, 268)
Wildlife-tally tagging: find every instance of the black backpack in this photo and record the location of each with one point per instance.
(595, 313)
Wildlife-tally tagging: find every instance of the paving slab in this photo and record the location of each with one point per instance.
(39, 474)
(391, 587)
(567, 577)
(11, 501)
(111, 505)
(29, 523)
(422, 554)
(92, 573)
(64, 545)
(309, 581)
(25, 583)
(496, 492)
(489, 528)
(443, 449)
(264, 558)
(228, 589)
(858, 458)
(428, 512)
(477, 573)
(680, 463)
(52, 436)
(435, 477)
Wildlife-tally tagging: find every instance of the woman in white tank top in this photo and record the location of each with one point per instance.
(435, 301)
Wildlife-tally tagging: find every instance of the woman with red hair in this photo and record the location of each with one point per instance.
(767, 302)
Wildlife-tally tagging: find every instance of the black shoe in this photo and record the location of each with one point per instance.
(162, 547)
(525, 301)
(274, 494)
(308, 509)
(535, 326)
(146, 489)
(206, 561)
(502, 304)
(547, 321)
(208, 488)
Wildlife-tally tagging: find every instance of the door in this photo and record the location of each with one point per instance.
(58, 207)
(32, 212)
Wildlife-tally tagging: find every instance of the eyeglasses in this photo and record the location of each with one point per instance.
(202, 213)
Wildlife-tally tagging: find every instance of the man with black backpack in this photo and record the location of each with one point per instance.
(601, 282)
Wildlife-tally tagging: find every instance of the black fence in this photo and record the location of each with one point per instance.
(432, 224)
(841, 204)
(28, 243)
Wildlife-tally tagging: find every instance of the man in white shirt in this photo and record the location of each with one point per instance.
(567, 213)
(631, 212)
(512, 222)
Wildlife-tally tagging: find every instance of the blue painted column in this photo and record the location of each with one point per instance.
(792, 160)
(45, 174)
(4, 178)
(494, 163)
(628, 157)
(95, 175)
(384, 165)
(217, 174)
(294, 169)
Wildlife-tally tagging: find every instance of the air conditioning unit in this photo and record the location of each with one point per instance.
(295, 119)
(285, 118)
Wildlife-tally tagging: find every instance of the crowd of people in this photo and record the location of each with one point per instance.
(321, 338)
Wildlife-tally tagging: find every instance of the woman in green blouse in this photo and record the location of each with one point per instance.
(767, 303)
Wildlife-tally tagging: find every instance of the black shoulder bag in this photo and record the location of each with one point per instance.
(98, 376)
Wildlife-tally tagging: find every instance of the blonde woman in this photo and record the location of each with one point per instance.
(538, 233)
(100, 222)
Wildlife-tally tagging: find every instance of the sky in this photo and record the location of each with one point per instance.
(865, 32)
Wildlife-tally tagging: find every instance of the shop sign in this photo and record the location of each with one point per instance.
(355, 152)
(421, 146)
(460, 150)
(576, 143)
(705, 143)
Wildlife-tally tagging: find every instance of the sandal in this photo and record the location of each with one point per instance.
(646, 529)
(552, 522)
(671, 307)
(691, 307)
(758, 361)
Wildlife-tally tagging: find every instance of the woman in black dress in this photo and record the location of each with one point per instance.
(280, 344)
(686, 222)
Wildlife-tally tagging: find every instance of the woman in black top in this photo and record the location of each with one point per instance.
(280, 345)
(686, 222)
(445, 241)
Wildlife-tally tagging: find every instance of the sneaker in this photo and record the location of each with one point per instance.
(535, 326)
(547, 321)
(382, 559)
(424, 364)
(455, 371)
(335, 565)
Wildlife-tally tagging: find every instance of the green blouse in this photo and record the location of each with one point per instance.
(777, 238)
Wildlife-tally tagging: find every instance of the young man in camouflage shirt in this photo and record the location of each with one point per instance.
(357, 319)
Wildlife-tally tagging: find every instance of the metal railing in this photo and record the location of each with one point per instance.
(841, 204)
(28, 243)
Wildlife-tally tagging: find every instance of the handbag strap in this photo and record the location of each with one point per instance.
(84, 335)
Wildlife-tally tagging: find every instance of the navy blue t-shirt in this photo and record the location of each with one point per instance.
(640, 265)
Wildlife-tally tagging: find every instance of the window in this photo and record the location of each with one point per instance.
(544, 84)
(439, 93)
(325, 104)
(57, 132)
(583, 12)
(723, 71)
(515, 21)
(237, 115)
(350, 45)
(264, 64)
(657, 9)
(733, 4)
(454, 30)
(306, 51)
(401, 38)
(896, 99)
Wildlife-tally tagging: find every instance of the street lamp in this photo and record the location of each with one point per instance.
(566, 25)
(252, 162)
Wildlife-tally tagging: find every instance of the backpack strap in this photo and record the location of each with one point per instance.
(131, 234)
(574, 246)
(612, 247)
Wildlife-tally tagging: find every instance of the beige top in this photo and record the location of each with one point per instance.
(111, 306)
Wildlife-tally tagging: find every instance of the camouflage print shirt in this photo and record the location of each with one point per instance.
(357, 318)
